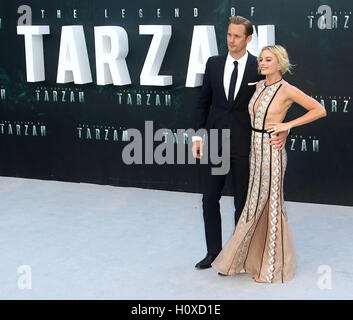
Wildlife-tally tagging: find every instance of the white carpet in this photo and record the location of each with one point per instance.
(83, 241)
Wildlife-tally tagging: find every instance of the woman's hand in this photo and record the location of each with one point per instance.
(278, 127)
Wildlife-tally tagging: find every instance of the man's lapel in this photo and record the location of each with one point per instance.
(222, 65)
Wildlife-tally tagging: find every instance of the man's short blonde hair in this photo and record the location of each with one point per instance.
(282, 57)
(245, 22)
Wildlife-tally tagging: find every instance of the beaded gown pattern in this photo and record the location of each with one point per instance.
(261, 243)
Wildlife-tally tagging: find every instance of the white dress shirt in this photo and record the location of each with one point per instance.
(228, 70)
(227, 74)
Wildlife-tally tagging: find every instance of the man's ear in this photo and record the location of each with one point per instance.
(248, 39)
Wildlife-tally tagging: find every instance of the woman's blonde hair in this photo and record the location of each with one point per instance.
(282, 57)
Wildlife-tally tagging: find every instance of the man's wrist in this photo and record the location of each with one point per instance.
(196, 138)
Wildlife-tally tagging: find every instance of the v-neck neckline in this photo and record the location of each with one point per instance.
(264, 87)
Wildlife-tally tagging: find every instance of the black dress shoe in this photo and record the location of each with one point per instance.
(206, 262)
(222, 274)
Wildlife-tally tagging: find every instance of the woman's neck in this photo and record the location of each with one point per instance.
(273, 78)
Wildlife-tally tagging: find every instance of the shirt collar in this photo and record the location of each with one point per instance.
(241, 61)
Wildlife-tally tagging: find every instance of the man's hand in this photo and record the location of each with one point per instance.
(278, 141)
(197, 149)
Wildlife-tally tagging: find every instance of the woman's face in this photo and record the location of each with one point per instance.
(268, 63)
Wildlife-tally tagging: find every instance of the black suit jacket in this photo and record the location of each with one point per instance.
(213, 110)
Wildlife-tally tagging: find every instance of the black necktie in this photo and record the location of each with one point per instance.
(233, 81)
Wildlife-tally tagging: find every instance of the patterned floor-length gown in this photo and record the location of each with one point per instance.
(261, 243)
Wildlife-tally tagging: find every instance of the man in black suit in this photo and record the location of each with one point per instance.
(228, 85)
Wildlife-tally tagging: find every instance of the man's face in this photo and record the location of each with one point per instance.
(236, 38)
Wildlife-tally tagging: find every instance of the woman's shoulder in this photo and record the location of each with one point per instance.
(289, 88)
(291, 91)
(285, 84)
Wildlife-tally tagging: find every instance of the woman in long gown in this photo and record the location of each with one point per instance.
(261, 243)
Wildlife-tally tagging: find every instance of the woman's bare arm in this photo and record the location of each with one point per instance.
(315, 110)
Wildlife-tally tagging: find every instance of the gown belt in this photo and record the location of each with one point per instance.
(258, 130)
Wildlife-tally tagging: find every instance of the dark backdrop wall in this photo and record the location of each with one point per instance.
(49, 130)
